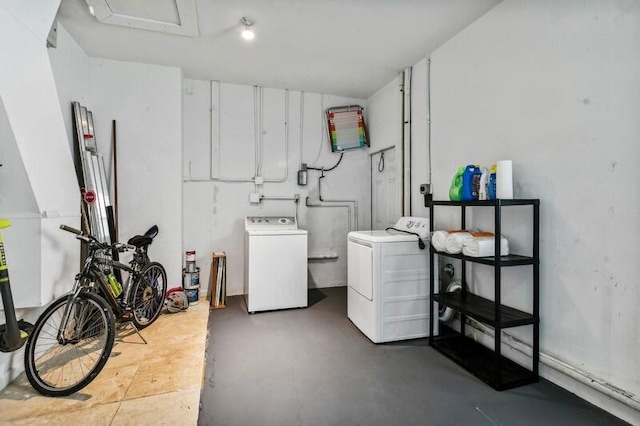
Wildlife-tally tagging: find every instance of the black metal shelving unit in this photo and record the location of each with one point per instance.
(488, 365)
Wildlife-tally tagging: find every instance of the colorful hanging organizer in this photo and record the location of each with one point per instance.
(347, 129)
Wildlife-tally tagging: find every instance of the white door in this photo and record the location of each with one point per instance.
(385, 189)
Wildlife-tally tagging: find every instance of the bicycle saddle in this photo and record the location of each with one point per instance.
(146, 239)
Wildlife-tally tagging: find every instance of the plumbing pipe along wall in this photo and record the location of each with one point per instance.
(214, 209)
(406, 143)
(568, 92)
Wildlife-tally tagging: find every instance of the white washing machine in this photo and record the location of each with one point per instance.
(388, 281)
(275, 263)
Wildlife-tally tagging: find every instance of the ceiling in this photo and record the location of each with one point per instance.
(341, 47)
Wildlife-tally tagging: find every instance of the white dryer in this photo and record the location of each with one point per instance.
(275, 263)
(388, 281)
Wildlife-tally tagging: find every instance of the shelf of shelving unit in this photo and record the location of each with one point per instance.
(487, 364)
(509, 260)
(484, 309)
(481, 362)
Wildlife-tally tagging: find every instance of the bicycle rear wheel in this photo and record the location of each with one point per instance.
(148, 295)
(56, 368)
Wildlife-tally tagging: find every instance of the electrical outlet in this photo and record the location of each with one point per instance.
(254, 198)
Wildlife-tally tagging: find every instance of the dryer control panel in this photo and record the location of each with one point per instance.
(418, 225)
(270, 222)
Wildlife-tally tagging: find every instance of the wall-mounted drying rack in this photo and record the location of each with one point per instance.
(347, 129)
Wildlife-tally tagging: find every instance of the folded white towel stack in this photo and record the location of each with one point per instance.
(456, 240)
(439, 240)
(484, 246)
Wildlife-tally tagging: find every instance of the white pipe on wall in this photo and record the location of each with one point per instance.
(257, 130)
(286, 141)
(354, 202)
(348, 207)
(355, 211)
(581, 376)
(295, 198)
(406, 143)
(429, 162)
(301, 129)
(322, 132)
(258, 145)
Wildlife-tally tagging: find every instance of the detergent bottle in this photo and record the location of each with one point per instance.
(483, 192)
(492, 182)
(455, 191)
(471, 182)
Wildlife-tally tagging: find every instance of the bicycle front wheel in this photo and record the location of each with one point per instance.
(59, 364)
(148, 295)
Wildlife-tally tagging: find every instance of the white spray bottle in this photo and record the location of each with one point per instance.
(483, 194)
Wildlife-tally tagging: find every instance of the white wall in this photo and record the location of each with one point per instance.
(70, 65)
(420, 172)
(38, 184)
(38, 191)
(385, 117)
(145, 100)
(214, 211)
(554, 86)
(385, 129)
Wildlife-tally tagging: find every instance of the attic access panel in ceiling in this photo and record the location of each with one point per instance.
(166, 16)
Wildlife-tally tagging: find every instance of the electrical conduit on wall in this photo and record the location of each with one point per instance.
(324, 200)
(581, 376)
(258, 116)
(332, 203)
(428, 97)
(517, 344)
(406, 143)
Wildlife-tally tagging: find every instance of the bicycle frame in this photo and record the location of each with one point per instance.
(92, 278)
(74, 336)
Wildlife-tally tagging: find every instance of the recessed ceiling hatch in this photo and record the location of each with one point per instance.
(165, 16)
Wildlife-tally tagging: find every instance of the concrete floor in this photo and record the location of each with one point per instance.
(313, 367)
(153, 384)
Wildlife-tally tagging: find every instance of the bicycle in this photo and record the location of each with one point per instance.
(73, 338)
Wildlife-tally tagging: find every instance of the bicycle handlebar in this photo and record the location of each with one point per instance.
(90, 238)
(70, 229)
(123, 246)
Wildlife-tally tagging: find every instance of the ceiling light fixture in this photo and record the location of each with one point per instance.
(248, 33)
